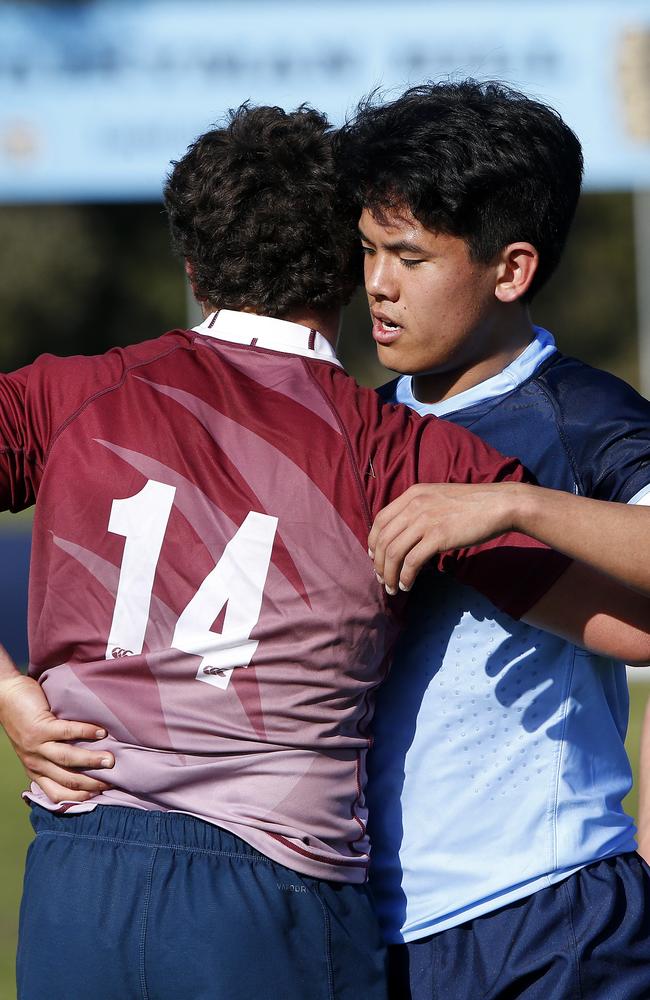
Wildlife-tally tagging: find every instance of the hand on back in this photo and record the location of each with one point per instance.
(45, 744)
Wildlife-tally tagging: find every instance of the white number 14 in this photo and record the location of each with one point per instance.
(237, 581)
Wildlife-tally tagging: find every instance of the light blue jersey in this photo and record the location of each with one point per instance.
(499, 765)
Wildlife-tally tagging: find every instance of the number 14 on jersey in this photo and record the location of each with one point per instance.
(237, 581)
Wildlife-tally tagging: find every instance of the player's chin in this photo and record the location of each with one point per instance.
(391, 357)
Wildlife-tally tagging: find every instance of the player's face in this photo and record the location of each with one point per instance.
(434, 309)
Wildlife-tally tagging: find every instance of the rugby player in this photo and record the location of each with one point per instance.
(200, 589)
(203, 508)
(504, 863)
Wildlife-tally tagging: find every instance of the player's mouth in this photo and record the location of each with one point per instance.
(384, 330)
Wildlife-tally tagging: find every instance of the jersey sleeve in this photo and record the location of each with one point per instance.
(20, 451)
(36, 402)
(606, 425)
(513, 571)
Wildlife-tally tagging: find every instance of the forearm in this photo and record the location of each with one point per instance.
(10, 678)
(8, 668)
(611, 537)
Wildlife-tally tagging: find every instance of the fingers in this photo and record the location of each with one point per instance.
(76, 757)
(59, 793)
(47, 740)
(393, 545)
(63, 729)
(406, 555)
(416, 558)
(56, 766)
(385, 516)
(69, 780)
(429, 519)
(390, 546)
(398, 529)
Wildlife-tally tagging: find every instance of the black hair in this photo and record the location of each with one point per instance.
(256, 210)
(471, 159)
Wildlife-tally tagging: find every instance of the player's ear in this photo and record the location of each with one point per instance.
(516, 269)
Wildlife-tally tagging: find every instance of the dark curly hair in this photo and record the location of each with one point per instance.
(256, 210)
(470, 159)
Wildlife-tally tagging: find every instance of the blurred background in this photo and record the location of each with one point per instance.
(97, 97)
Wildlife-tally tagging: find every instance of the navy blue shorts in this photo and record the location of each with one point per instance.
(586, 938)
(123, 904)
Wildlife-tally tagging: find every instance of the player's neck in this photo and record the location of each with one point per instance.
(511, 340)
(326, 321)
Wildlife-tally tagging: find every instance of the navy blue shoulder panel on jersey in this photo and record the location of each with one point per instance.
(606, 425)
(577, 428)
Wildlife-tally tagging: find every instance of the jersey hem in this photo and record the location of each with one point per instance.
(496, 902)
(273, 846)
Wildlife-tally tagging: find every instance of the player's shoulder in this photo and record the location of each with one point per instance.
(358, 405)
(591, 405)
(111, 363)
(69, 382)
(382, 437)
(405, 445)
(604, 423)
(573, 383)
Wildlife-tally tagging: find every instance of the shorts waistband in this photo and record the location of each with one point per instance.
(146, 827)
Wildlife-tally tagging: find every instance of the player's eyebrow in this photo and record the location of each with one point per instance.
(407, 246)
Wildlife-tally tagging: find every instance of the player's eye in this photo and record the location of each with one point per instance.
(410, 261)
(366, 250)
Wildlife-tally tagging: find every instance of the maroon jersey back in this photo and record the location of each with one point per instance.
(200, 584)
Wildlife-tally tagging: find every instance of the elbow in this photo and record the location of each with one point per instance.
(643, 661)
(637, 653)
(619, 640)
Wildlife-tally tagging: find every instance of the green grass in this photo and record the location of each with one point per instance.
(12, 523)
(15, 834)
(639, 694)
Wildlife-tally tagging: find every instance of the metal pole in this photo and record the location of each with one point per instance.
(642, 241)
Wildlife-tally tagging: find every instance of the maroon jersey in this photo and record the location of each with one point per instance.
(200, 584)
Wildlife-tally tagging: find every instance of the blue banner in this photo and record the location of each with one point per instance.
(96, 98)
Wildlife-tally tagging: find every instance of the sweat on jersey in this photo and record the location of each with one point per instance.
(499, 764)
(200, 584)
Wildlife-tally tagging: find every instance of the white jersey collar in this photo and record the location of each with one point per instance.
(267, 332)
(539, 349)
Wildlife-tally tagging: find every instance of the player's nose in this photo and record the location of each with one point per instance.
(380, 279)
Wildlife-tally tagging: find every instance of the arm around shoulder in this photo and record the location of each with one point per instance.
(601, 602)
